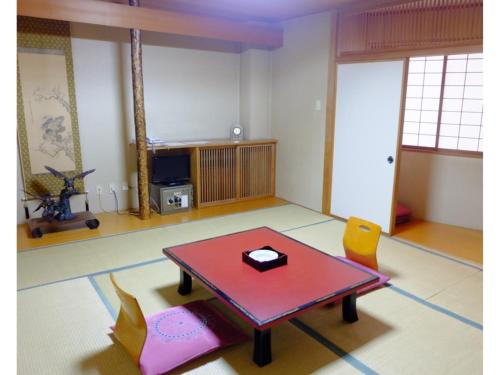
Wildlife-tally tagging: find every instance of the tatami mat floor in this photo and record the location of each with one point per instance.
(428, 321)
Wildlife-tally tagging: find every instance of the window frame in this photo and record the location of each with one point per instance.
(436, 149)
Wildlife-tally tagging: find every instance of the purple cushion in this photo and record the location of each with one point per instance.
(182, 333)
(381, 281)
(402, 210)
(402, 219)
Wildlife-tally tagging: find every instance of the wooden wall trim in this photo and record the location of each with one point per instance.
(330, 116)
(419, 25)
(119, 15)
(395, 186)
(443, 151)
(401, 53)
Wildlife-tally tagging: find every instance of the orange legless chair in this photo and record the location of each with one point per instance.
(360, 245)
(166, 340)
(360, 242)
(131, 329)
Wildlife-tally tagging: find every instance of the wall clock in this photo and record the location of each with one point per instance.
(236, 133)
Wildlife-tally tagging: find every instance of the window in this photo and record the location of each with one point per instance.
(444, 105)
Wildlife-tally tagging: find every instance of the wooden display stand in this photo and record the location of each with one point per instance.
(226, 171)
(39, 226)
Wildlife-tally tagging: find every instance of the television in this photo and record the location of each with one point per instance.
(170, 170)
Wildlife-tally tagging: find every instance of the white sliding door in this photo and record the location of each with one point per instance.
(367, 111)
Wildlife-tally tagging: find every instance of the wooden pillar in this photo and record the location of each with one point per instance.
(140, 120)
(330, 116)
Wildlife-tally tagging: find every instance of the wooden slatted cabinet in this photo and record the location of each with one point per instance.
(217, 168)
(256, 171)
(224, 171)
(227, 173)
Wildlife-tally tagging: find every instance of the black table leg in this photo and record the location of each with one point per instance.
(185, 284)
(262, 347)
(349, 313)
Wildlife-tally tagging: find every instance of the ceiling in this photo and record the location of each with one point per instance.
(253, 10)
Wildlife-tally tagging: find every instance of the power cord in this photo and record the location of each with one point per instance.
(116, 205)
(151, 200)
(100, 204)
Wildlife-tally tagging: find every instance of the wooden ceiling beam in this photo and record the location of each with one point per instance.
(119, 15)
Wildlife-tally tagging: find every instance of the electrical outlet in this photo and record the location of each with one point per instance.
(112, 188)
(317, 105)
(98, 189)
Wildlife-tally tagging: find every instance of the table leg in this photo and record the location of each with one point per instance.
(349, 313)
(185, 284)
(262, 347)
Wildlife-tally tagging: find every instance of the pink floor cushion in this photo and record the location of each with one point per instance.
(382, 278)
(183, 333)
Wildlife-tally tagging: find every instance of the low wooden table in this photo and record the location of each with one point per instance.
(265, 299)
(39, 226)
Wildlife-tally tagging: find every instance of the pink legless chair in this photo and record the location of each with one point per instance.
(166, 340)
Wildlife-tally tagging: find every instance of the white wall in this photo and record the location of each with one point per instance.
(98, 68)
(299, 78)
(443, 189)
(255, 93)
(188, 93)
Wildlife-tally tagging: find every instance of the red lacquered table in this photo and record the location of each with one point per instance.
(264, 299)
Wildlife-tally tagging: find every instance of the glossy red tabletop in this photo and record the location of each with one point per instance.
(309, 278)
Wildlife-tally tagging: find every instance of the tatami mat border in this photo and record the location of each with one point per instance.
(103, 298)
(308, 225)
(354, 362)
(117, 269)
(435, 307)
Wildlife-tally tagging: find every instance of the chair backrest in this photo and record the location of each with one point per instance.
(361, 241)
(131, 328)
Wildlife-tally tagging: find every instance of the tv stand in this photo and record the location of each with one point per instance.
(225, 171)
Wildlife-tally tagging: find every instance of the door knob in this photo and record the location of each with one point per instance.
(390, 159)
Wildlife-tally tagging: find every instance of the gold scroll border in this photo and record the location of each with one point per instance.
(39, 33)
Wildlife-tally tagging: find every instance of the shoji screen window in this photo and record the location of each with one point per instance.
(425, 77)
(462, 113)
(444, 103)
